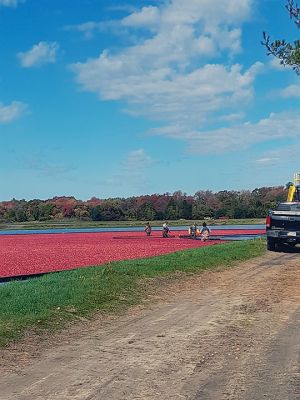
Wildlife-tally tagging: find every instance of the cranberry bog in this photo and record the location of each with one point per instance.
(25, 255)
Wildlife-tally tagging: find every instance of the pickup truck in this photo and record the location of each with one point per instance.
(283, 225)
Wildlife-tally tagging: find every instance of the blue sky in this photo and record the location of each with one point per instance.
(120, 98)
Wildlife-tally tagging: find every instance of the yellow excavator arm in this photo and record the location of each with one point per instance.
(294, 190)
(291, 193)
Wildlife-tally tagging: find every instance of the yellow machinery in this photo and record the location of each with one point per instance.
(294, 189)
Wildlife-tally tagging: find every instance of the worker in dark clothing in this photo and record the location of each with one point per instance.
(148, 229)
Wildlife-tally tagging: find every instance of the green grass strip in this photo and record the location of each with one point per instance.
(52, 300)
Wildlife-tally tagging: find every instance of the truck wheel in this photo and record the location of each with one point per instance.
(271, 245)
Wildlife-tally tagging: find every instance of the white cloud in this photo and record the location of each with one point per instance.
(267, 161)
(204, 20)
(291, 91)
(232, 117)
(39, 54)
(132, 171)
(275, 64)
(181, 32)
(179, 12)
(89, 28)
(10, 3)
(171, 75)
(11, 112)
(39, 163)
(148, 16)
(165, 94)
(136, 160)
(282, 156)
(240, 137)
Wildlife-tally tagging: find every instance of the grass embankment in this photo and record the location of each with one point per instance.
(52, 300)
(73, 223)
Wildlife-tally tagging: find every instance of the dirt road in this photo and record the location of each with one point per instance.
(231, 334)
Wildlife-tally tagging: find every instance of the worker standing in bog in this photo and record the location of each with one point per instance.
(166, 229)
(148, 229)
(204, 232)
(193, 231)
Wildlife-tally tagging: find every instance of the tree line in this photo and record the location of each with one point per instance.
(203, 204)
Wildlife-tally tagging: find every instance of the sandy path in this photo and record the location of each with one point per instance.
(231, 334)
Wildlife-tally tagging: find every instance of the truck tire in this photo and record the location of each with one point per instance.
(271, 245)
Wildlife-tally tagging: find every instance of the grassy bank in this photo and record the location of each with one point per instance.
(111, 224)
(52, 300)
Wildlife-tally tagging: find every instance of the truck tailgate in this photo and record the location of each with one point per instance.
(285, 220)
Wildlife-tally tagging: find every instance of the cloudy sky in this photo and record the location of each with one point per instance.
(114, 98)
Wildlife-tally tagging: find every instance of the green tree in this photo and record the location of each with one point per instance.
(185, 209)
(96, 213)
(45, 211)
(146, 212)
(32, 210)
(287, 53)
(172, 211)
(200, 211)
